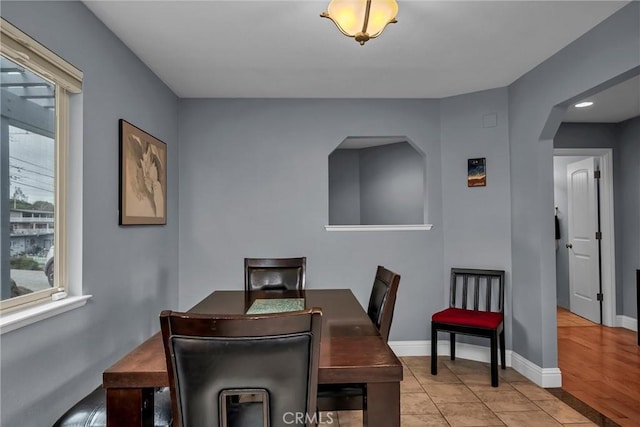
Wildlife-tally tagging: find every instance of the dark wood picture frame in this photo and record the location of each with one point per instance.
(477, 172)
(142, 177)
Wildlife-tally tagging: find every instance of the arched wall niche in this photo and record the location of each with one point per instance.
(377, 182)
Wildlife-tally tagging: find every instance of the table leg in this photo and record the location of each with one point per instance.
(130, 407)
(383, 405)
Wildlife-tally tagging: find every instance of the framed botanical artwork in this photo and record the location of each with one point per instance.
(476, 172)
(143, 177)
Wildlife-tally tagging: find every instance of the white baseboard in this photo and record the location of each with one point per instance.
(410, 348)
(627, 322)
(464, 351)
(544, 377)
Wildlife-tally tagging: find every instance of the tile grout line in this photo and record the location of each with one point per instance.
(434, 403)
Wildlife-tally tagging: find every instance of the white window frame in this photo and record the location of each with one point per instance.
(28, 53)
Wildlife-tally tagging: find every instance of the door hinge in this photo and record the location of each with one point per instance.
(600, 297)
(596, 174)
(598, 235)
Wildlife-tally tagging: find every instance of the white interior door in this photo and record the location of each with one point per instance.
(584, 273)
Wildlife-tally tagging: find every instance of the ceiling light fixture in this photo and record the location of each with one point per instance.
(362, 19)
(584, 104)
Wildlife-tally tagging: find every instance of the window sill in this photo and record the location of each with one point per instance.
(407, 227)
(18, 319)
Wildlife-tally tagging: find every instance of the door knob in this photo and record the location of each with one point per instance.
(568, 245)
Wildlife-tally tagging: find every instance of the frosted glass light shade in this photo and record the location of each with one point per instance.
(362, 19)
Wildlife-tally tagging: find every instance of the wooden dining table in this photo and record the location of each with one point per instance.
(351, 351)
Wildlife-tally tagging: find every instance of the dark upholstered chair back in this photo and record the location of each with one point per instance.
(480, 290)
(274, 273)
(208, 356)
(383, 300)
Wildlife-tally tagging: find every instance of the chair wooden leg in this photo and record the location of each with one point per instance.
(434, 350)
(502, 350)
(452, 344)
(494, 360)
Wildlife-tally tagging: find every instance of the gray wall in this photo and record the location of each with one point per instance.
(344, 187)
(476, 220)
(586, 135)
(628, 216)
(611, 50)
(268, 207)
(131, 272)
(254, 182)
(391, 185)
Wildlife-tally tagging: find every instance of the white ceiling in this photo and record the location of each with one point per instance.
(283, 49)
(618, 103)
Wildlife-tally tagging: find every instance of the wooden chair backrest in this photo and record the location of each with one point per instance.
(275, 273)
(474, 289)
(383, 300)
(278, 353)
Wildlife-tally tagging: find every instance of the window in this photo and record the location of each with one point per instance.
(34, 120)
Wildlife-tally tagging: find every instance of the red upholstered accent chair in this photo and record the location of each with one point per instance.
(476, 307)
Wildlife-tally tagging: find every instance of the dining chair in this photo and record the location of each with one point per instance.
(91, 410)
(275, 273)
(382, 301)
(242, 370)
(476, 307)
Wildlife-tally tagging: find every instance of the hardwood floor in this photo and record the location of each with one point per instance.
(600, 366)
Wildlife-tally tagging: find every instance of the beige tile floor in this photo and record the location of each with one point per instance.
(461, 396)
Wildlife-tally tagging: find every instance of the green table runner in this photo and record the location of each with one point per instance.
(276, 305)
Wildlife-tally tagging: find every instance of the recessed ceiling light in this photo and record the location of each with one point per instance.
(584, 104)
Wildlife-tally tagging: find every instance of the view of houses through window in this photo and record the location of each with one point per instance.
(28, 180)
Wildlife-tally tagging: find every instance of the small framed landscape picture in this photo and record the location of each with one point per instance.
(476, 172)
(143, 177)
